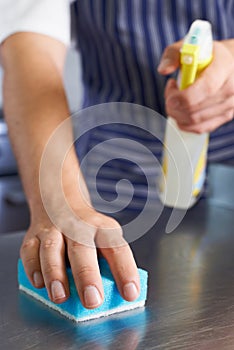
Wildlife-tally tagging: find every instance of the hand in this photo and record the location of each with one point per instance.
(43, 255)
(32, 117)
(209, 102)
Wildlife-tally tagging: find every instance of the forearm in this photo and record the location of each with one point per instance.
(34, 106)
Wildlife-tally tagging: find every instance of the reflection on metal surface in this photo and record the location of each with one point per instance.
(190, 302)
(223, 194)
(127, 328)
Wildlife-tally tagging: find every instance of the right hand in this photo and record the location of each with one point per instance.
(43, 255)
(209, 102)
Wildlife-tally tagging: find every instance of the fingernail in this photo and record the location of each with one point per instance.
(38, 279)
(92, 296)
(57, 290)
(164, 63)
(130, 291)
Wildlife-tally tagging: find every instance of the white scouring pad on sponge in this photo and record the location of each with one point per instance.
(73, 309)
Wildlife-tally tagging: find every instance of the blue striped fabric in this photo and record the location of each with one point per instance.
(121, 42)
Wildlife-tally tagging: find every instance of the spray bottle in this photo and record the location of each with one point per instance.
(185, 153)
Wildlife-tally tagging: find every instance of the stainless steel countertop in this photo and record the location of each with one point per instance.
(190, 298)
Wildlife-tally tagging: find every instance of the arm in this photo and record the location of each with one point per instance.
(34, 105)
(209, 102)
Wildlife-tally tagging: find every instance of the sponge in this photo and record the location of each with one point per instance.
(73, 309)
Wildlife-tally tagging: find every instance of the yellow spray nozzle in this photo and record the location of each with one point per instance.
(196, 53)
(189, 65)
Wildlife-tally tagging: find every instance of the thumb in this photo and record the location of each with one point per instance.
(170, 60)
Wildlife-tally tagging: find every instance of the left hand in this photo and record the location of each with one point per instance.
(209, 101)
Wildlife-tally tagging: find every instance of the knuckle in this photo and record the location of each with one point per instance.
(28, 244)
(167, 51)
(44, 233)
(102, 221)
(49, 269)
(97, 220)
(107, 241)
(30, 260)
(85, 271)
(196, 129)
(200, 130)
(73, 246)
(51, 240)
(76, 247)
(185, 97)
(194, 118)
(187, 104)
(112, 223)
(115, 227)
(118, 250)
(48, 243)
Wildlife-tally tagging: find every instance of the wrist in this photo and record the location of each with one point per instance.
(55, 206)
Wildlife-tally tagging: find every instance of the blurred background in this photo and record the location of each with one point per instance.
(14, 213)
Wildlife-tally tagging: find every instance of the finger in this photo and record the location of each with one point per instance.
(109, 239)
(176, 100)
(171, 88)
(170, 60)
(124, 270)
(215, 75)
(85, 269)
(208, 125)
(191, 119)
(224, 108)
(29, 253)
(52, 257)
(177, 106)
(181, 100)
(213, 78)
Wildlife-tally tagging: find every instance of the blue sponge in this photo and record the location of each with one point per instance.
(73, 309)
